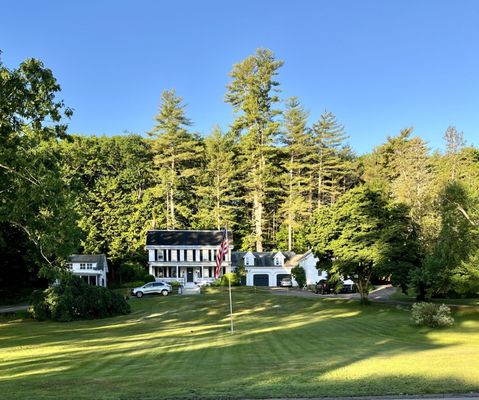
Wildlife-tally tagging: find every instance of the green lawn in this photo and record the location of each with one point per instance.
(284, 346)
(411, 298)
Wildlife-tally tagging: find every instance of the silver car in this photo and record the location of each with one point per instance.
(153, 287)
(286, 282)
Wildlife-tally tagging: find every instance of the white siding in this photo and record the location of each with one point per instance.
(151, 255)
(272, 273)
(312, 273)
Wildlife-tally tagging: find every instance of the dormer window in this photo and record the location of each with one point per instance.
(279, 259)
(249, 259)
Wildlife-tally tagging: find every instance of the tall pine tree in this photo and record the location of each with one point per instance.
(216, 187)
(251, 92)
(454, 145)
(298, 153)
(329, 167)
(177, 155)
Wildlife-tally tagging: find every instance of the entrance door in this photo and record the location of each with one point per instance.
(189, 274)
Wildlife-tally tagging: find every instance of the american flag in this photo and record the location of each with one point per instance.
(220, 253)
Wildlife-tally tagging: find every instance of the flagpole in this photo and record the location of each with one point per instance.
(229, 285)
(231, 304)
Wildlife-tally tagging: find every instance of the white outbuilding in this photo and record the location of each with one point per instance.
(92, 268)
(269, 268)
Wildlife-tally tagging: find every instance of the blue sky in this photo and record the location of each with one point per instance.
(379, 66)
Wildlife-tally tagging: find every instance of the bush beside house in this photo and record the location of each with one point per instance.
(224, 280)
(73, 299)
(299, 274)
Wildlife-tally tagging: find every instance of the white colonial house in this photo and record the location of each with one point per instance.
(189, 256)
(186, 255)
(268, 268)
(92, 268)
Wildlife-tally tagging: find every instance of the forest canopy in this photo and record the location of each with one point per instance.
(277, 180)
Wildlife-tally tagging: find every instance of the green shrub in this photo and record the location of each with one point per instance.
(241, 274)
(131, 285)
(130, 272)
(299, 275)
(311, 288)
(432, 315)
(73, 299)
(39, 308)
(223, 281)
(140, 282)
(149, 278)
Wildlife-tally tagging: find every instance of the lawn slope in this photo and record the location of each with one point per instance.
(284, 346)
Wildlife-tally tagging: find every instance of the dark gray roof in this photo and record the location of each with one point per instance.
(186, 238)
(266, 259)
(99, 259)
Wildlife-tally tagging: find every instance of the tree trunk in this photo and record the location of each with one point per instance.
(172, 195)
(363, 293)
(172, 207)
(362, 284)
(168, 222)
(258, 216)
(290, 237)
(290, 211)
(320, 182)
(258, 202)
(218, 195)
(421, 293)
(310, 193)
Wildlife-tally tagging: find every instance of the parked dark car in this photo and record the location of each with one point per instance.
(322, 287)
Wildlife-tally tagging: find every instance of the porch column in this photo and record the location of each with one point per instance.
(177, 273)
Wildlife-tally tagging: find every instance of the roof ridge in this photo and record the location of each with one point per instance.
(187, 230)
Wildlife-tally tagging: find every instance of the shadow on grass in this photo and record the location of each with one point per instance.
(283, 347)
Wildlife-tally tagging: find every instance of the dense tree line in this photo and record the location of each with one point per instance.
(276, 180)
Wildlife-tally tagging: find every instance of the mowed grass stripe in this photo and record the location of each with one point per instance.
(283, 346)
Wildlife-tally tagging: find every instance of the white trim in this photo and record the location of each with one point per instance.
(184, 247)
(185, 263)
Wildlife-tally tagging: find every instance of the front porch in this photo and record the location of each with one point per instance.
(182, 281)
(91, 279)
(201, 275)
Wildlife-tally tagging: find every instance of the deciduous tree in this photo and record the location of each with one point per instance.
(359, 235)
(33, 196)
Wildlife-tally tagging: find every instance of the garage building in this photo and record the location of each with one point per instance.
(268, 268)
